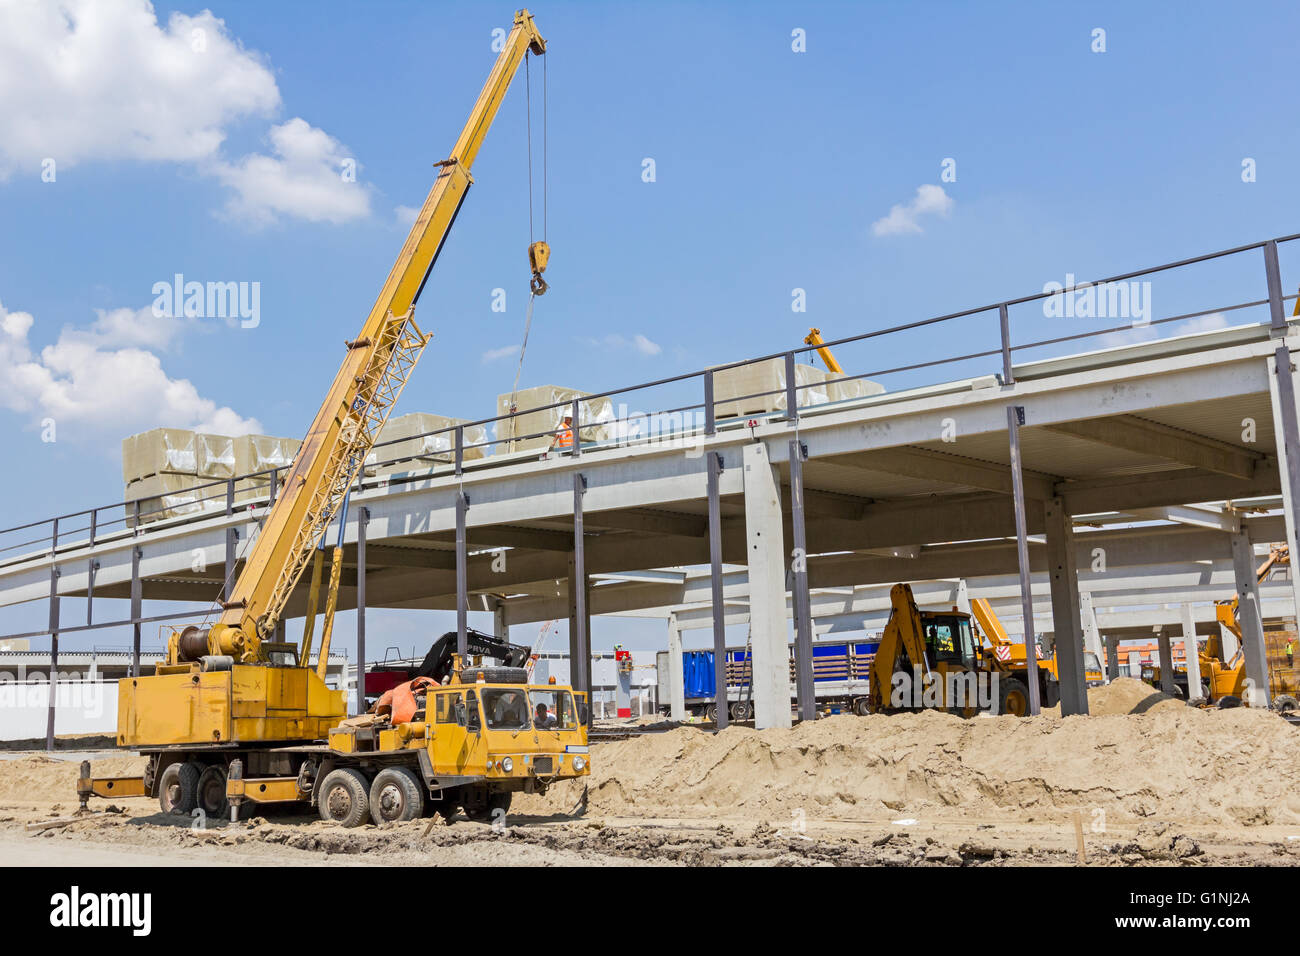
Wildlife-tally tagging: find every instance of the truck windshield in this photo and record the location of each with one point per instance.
(505, 708)
(553, 709)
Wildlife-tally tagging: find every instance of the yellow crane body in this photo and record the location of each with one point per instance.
(231, 716)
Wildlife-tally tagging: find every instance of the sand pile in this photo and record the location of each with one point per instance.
(1125, 695)
(39, 779)
(1178, 763)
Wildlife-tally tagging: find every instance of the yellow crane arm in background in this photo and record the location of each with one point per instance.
(374, 370)
(814, 338)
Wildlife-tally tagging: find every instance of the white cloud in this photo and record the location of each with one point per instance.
(303, 179)
(103, 80)
(99, 378)
(615, 342)
(405, 215)
(493, 355)
(929, 201)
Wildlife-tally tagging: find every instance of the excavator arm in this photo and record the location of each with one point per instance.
(375, 367)
(903, 635)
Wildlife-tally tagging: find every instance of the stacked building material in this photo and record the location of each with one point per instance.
(759, 388)
(160, 470)
(413, 448)
(595, 417)
(256, 455)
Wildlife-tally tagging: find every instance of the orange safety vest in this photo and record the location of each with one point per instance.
(564, 438)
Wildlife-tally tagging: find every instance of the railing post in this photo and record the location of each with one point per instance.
(791, 389)
(94, 516)
(710, 419)
(577, 429)
(137, 599)
(462, 577)
(460, 449)
(1273, 273)
(275, 484)
(363, 520)
(1008, 377)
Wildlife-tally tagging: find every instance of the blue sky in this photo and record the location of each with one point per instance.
(771, 168)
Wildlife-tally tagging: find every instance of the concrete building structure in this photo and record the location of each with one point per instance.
(1017, 472)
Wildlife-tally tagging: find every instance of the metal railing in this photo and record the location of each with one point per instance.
(697, 394)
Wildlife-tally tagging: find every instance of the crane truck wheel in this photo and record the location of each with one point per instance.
(178, 787)
(212, 792)
(396, 796)
(1013, 697)
(1228, 701)
(344, 797)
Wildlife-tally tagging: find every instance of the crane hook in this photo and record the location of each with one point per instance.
(539, 253)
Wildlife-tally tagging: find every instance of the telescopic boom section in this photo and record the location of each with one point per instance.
(373, 373)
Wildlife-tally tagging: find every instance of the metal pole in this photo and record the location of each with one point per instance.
(710, 418)
(54, 637)
(1015, 418)
(462, 577)
(363, 519)
(136, 601)
(460, 449)
(1004, 321)
(582, 666)
(1273, 274)
(803, 650)
(577, 429)
(791, 392)
(715, 580)
(91, 567)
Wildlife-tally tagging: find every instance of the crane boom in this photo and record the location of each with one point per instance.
(374, 370)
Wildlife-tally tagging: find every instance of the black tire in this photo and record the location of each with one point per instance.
(396, 796)
(741, 710)
(494, 675)
(1051, 693)
(344, 797)
(1285, 704)
(441, 805)
(178, 788)
(212, 792)
(711, 713)
(1229, 701)
(862, 706)
(487, 811)
(1013, 697)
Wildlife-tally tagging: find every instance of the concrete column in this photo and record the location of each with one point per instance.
(1166, 661)
(962, 597)
(1192, 652)
(676, 689)
(1067, 619)
(769, 628)
(500, 627)
(1284, 427)
(1112, 658)
(1250, 622)
(1091, 636)
(1134, 664)
(1229, 642)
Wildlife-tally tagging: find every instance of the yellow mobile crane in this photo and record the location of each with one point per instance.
(232, 715)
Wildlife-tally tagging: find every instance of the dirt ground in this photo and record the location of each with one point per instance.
(1148, 781)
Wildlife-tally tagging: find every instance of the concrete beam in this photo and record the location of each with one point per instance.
(929, 465)
(1144, 437)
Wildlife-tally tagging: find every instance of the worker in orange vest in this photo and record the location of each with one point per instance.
(563, 439)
